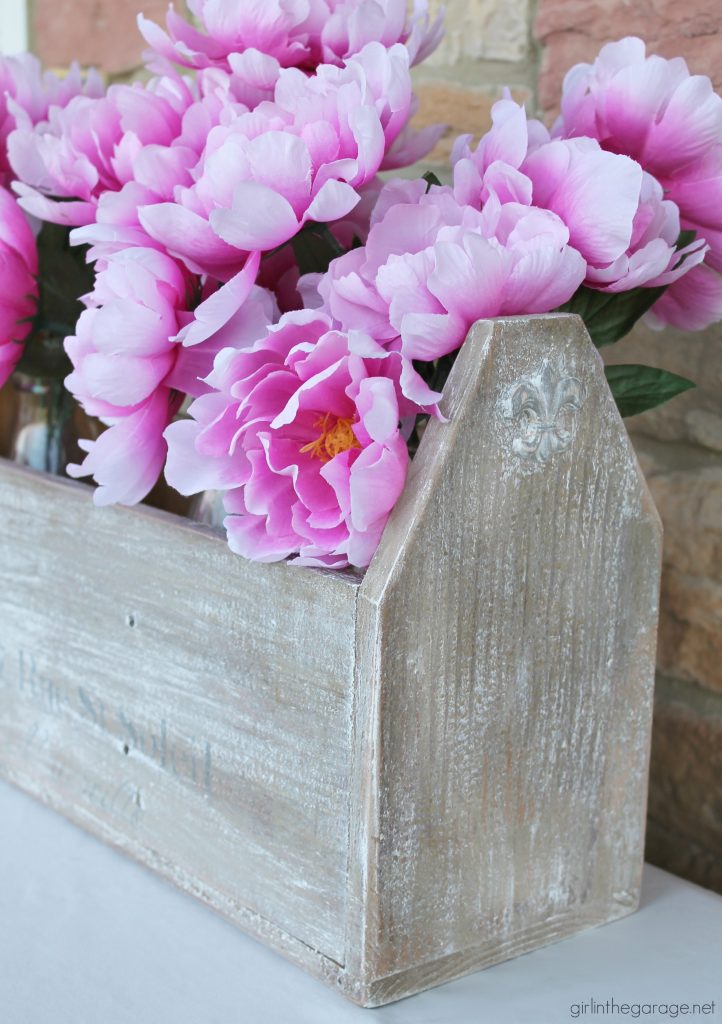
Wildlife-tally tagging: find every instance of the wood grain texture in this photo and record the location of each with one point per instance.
(506, 641)
(175, 699)
(392, 779)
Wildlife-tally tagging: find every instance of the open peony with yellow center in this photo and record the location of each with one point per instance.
(303, 432)
(336, 436)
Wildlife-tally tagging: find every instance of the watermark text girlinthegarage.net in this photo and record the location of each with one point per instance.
(651, 1011)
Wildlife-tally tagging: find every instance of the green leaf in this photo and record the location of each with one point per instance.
(44, 357)
(609, 316)
(430, 179)
(63, 277)
(315, 247)
(636, 388)
(686, 238)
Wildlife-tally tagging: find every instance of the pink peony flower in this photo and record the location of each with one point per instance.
(116, 225)
(255, 40)
(432, 266)
(691, 304)
(651, 259)
(271, 33)
(129, 370)
(27, 94)
(649, 108)
(127, 459)
(300, 158)
(155, 172)
(352, 24)
(617, 215)
(279, 271)
(18, 282)
(95, 145)
(263, 175)
(653, 110)
(302, 430)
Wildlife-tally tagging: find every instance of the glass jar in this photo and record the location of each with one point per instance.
(42, 435)
(207, 507)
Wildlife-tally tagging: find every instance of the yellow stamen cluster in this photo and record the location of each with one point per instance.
(333, 439)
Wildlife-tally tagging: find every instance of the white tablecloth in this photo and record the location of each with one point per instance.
(89, 937)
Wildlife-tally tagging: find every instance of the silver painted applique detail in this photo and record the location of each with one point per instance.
(544, 408)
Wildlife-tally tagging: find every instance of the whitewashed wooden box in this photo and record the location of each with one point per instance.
(396, 778)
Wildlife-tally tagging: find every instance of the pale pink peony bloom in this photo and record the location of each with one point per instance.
(653, 110)
(155, 172)
(18, 282)
(27, 93)
(432, 266)
(697, 191)
(352, 24)
(127, 459)
(300, 158)
(647, 107)
(303, 432)
(618, 217)
(129, 370)
(690, 304)
(116, 225)
(279, 271)
(93, 146)
(265, 174)
(275, 33)
(256, 39)
(652, 259)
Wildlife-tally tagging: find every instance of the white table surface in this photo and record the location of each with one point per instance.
(89, 937)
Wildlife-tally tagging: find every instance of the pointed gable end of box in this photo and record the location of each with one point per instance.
(504, 671)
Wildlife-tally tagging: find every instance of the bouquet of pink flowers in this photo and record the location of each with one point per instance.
(266, 316)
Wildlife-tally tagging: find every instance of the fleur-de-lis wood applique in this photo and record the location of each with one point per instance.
(544, 408)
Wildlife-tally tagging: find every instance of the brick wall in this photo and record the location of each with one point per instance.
(529, 45)
(491, 43)
(99, 32)
(488, 45)
(680, 447)
(573, 30)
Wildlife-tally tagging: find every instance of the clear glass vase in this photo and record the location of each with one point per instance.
(43, 434)
(207, 507)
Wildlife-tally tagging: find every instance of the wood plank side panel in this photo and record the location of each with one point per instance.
(505, 671)
(189, 706)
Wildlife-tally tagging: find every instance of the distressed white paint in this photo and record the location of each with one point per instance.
(506, 642)
(176, 699)
(393, 779)
(13, 26)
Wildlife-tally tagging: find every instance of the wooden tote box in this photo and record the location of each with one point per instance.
(392, 778)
